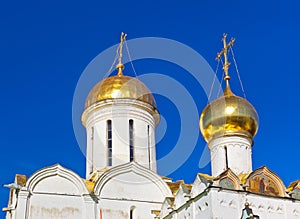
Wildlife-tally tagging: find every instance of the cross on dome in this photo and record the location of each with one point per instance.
(120, 65)
(224, 51)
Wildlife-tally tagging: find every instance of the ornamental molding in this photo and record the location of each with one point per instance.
(56, 170)
(110, 103)
(229, 174)
(230, 141)
(265, 171)
(137, 169)
(108, 113)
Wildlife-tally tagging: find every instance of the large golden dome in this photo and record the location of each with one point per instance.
(229, 115)
(120, 87)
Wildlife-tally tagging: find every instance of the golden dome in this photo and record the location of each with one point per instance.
(228, 115)
(120, 87)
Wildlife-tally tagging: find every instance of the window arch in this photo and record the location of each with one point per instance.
(92, 148)
(131, 212)
(109, 142)
(148, 146)
(131, 140)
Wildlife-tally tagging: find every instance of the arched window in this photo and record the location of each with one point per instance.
(131, 148)
(226, 156)
(92, 148)
(148, 142)
(131, 212)
(109, 142)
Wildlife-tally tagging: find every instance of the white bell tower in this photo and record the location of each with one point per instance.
(120, 118)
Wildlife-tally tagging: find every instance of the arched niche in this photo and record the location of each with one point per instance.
(228, 180)
(264, 181)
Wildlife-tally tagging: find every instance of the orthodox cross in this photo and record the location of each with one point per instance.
(224, 51)
(120, 65)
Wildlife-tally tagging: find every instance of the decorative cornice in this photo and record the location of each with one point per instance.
(136, 168)
(55, 170)
(119, 102)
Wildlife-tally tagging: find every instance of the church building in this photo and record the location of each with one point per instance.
(121, 182)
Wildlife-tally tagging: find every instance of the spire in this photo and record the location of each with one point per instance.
(120, 65)
(226, 64)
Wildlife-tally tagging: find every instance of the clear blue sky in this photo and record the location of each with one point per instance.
(45, 46)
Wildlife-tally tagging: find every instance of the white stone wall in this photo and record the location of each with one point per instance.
(53, 192)
(56, 192)
(130, 186)
(46, 206)
(226, 204)
(120, 209)
(239, 154)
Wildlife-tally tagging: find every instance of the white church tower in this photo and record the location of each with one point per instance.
(229, 124)
(120, 118)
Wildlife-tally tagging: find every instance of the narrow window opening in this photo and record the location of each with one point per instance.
(131, 148)
(131, 212)
(109, 142)
(226, 157)
(92, 150)
(92, 133)
(148, 136)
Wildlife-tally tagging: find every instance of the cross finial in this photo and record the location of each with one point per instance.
(120, 65)
(224, 51)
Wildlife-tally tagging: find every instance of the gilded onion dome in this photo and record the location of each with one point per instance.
(120, 86)
(229, 115)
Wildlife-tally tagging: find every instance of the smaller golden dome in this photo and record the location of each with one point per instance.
(229, 115)
(120, 87)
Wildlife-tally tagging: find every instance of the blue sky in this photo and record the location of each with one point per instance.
(45, 46)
